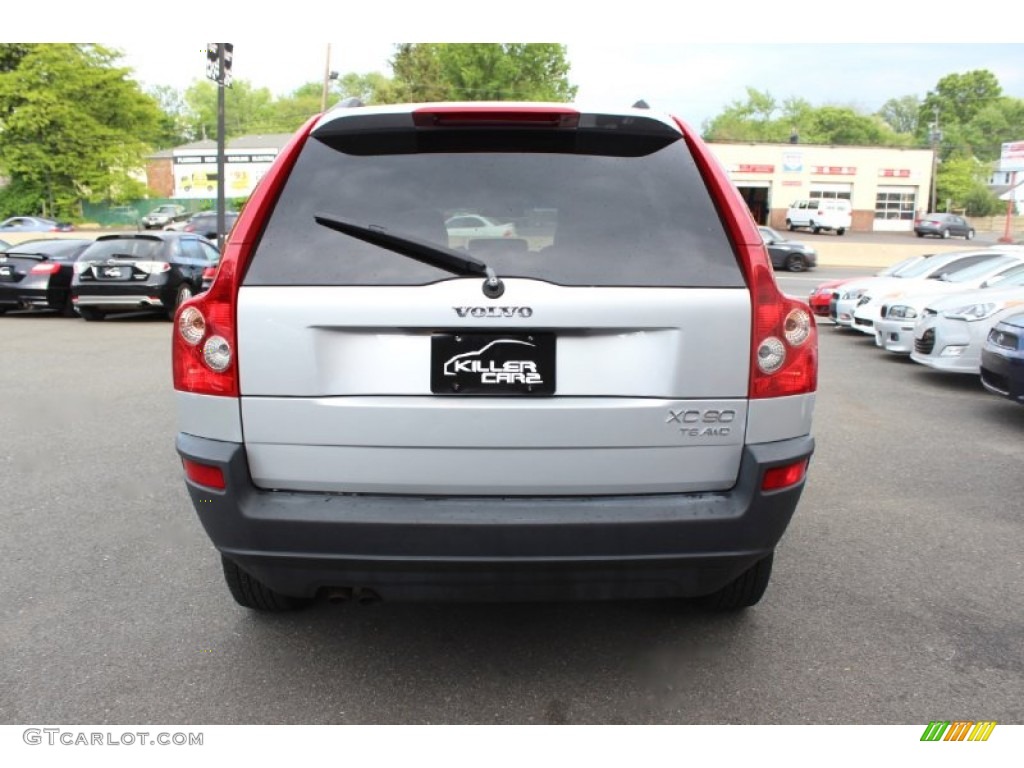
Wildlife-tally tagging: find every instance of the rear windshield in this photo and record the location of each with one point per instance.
(982, 268)
(616, 203)
(946, 263)
(128, 248)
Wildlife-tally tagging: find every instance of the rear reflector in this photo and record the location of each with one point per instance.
(783, 477)
(204, 474)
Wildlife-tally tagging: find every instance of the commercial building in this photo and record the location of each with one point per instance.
(189, 172)
(887, 187)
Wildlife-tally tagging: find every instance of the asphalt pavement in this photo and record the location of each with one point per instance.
(897, 597)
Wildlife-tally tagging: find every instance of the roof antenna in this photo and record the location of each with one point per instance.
(641, 104)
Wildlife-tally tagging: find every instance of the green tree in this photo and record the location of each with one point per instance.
(901, 114)
(957, 98)
(961, 181)
(749, 120)
(246, 110)
(74, 125)
(174, 125)
(482, 72)
(755, 120)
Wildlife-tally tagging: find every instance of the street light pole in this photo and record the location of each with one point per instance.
(936, 137)
(220, 147)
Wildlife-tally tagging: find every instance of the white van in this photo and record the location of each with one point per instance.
(820, 214)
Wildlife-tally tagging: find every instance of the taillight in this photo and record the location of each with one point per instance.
(785, 476)
(209, 273)
(204, 346)
(153, 267)
(190, 228)
(204, 474)
(784, 338)
(45, 269)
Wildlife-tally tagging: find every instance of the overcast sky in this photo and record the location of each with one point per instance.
(681, 57)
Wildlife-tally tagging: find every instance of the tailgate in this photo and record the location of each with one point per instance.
(649, 390)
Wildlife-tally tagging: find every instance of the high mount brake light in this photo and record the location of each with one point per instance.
(539, 117)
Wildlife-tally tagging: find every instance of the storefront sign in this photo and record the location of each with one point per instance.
(834, 170)
(894, 173)
(747, 168)
(792, 162)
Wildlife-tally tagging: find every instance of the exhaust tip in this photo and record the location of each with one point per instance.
(339, 595)
(367, 597)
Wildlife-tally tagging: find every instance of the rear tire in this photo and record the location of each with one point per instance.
(250, 593)
(969, 235)
(183, 294)
(91, 315)
(815, 228)
(945, 234)
(744, 591)
(789, 225)
(841, 231)
(67, 309)
(919, 234)
(796, 263)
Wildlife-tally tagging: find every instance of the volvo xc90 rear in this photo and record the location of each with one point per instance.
(614, 403)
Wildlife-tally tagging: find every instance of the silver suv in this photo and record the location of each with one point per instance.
(612, 401)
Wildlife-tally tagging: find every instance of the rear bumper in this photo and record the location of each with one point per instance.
(32, 293)
(155, 292)
(430, 548)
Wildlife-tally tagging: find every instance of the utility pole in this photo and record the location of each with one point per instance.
(329, 75)
(936, 137)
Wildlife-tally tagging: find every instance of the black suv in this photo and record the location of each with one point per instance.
(131, 272)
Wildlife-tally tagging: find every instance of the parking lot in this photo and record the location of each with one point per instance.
(897, 597)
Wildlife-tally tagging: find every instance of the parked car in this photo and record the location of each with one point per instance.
(860, 292)
(951, 331)
(943, 225)
(464, 227)
(818, 214)
(34, 224)
(788, 254)
(897, 317)
(960, 274)
(163, 215)
(36, 274)
(1002, 359)
(144, 271)
(823, 295)
(205, 224)
(368, 412)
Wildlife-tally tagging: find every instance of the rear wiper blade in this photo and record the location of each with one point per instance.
(448, 259)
